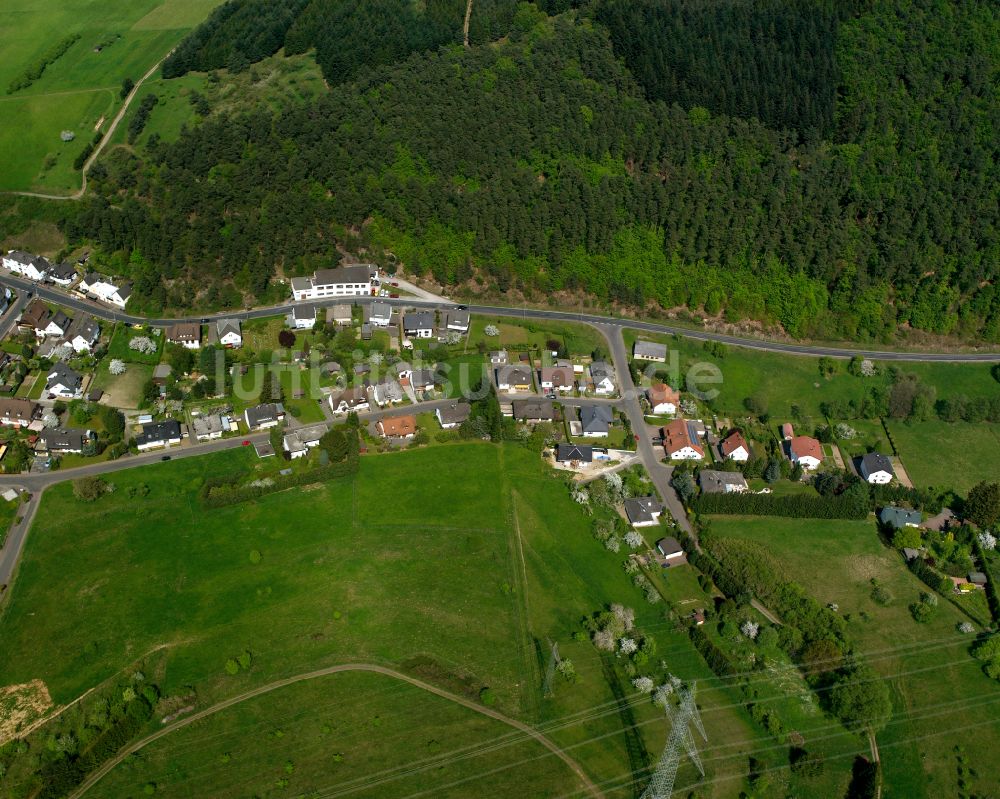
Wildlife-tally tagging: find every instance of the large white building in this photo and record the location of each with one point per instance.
(33, 267)
(103, 289)
(356, 280)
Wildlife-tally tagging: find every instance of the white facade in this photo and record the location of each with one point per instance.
(28, 266)
(357, 280)
(104, 290)
(686, 454)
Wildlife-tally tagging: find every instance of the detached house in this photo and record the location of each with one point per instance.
(264, 416)
(18, 412)
(387, 392)
(340, 314)
(63, 382)
(105, 289)
(649, 351)
(556, 378)
(33, 267)
(187, 334)
(715, 482)
(61, 274)
(209, 427)
(574, 453)
(876, 468)
(398, 426)
(680, 441)
(457, 321)
(354, 280)
(898, 518)
(735, 447)
(603, 376)
(643, 511)
(302, 318)
(422, 379)
(418, 324)
(38, 318)
(158, 434)
(533, 411)
(513, 378)
(83, 334)
(378, 314)
(670, 551)
(663, 400)
(805, 451)
(453, 415)
(65, 441)
(299, 441)
(230, 333)
(595, 420)
(353, 399)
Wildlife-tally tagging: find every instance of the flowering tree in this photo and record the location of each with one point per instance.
(845, 431)
(613, 543)
(966, 627)
(491, 330)
(453, 337)
(567, 670)
(644, 685)
(580, 496)
(117, 366)
(143, 344)
(50, 420)
(604, 640)
(652, 595)
(625, 616)
(662, 694)
(867, 368)
(750, 629)
(633, 539)
(627, 646)
(689, 407)
(375, 358)
(987, 540)
(614, 481)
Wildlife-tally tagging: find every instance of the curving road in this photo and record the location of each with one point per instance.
(587, 783)
(103, 311)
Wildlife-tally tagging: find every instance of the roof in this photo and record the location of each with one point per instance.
(266, 412)
(899, 517)
(595, 418)
(12, 408)
(669, 546)
(306, 434)
(398, 425)
(353, 273)
(787, 431)
(805, 447)
(649, 349)
(457, 317)
(61, 373)
(874, 462)
(977, 578)
(641, 509)
(380, 309)
(354, 396)
(303, 312)
(301, 283)
(84, 326)
(556, 375)
(63, 271)
(574, 452)
(340, 311)
(533, 409)
(456, 413)
(60, 320)
(35, 314)
(184, 331)
(154, 432)
(733, 442)
(418, 320)
(207, 424)
(716, 482)
(63, 439)
(422, 377)
(125, 290)
(660, 393)
(162, 370)
(601, 369)
(677, 436)
(224, 326)
(514, 375)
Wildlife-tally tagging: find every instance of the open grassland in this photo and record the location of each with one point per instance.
(578, 339)
(125, 390)
(350, 734)
(938, 689)
(80, 88)
(953, 455)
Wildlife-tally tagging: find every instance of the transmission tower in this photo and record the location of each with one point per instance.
(661, 786)
(550, 671)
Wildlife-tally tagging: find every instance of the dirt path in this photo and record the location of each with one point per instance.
(589, 786)
(103, 142)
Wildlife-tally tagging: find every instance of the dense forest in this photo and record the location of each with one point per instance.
(842, 185)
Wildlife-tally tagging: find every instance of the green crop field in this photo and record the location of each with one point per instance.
(953, 455)
(938, 689)
(80, 88)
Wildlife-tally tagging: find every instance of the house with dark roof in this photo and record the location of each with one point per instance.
(649, 351)
(158, 434)
(533, 411)
(264, 416)
(457, 320)
(513, 378)
(602, 375)
(595, 420)
(377, 314)
(353, 399)
(302, 317)
(63, 382)
(57, 441)
(418, 324)
(62, 274)
(574, 453)
(643, 511)
(897, 518)
(230, 333)
(453, 415)
(671, 552)
(187, 334)
(717, 482)
(33, 267)
(18, 412)
(83, 333)
(876, 468)
(105, 289)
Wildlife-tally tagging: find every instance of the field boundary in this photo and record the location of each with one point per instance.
(589, 786)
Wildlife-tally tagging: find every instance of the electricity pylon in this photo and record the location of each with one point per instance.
(681, 719)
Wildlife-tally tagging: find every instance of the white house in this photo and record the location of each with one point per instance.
(805, 451)
(56, 324)
(63, 382)
(261, 417)
(187, 334)
(453, 416)
(680, 442)
(158, 434)
(556, 378)
(299, 441)
(378, 314)
(876, 468)
(230, 333)
(62, 274)
(671, 551)
(649, 351)
(33, 267)
(457, 320)
(355, 280)
(735, 447)
(104, 289)
(643, 511)
(354, 399)
(208, 427)
(418, 324)
(663, 400)
(83, 334)
(603, 376)
(302, 318)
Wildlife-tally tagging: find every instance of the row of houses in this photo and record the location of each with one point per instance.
(57, 328)
(563, 377)
(92, 285)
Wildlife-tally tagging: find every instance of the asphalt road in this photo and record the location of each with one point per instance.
(57, 295)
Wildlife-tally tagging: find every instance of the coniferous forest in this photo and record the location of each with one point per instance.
(829, 167)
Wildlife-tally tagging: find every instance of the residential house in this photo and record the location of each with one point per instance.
(498, 358)
(422, 379)
(397, 426)
(897, 518)
(366, 331)
(670, 551)
(340, 314)
(33, 267)
(680, 441)
(378, 314)
(302, 317)
(876, 468)
(261, 417)
(649, 351)
(643, 511)
(56, 441)
(353, 399)
(418, 324)
(663, 400)
(574, 453)
(83, 334)
(105, 289)
(735, 447)
(18, 412)
(805, 451)
(187, 334)
(602, 374)
(63, 382)
(453, 415)
(978, 579)
(43, 322)
(230, 333)
(299, 441)
(354, 280)
(533, 411)
(209, 427)
(158, 434)
(717, 482)
(513, 378)
(457, 320)
(595, 420)
(556, 378)
(62, 274)
(387, 391)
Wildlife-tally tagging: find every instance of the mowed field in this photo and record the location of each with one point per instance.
(941, 697)
(948, 454)
(454, 563)
(82, 86)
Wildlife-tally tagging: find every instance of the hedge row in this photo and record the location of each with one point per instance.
(992, 598)
(801, 506)
(718, 661)
(218, 492)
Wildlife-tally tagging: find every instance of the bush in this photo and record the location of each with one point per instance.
(487, 697)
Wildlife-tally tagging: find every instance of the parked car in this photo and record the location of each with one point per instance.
(164, 457)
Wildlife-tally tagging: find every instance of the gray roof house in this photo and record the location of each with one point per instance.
(595, 420)
(876, 468)
(533, 410)
(643, 511)
(453, 415)
(340, 314)
(159, 434)
(63, 273)
(649, 351)
(717, 482)
(457, 320)
(671, 550)
(899, 517)
(378, 314)
(65, 440)
(419, 324)
(566, 453)
(269, 414)
(63, 381)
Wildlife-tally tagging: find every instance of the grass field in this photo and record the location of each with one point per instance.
(579, 339)
(123, 391)
(118, 347)
(937, 687)
(81, 87)
(953, 455)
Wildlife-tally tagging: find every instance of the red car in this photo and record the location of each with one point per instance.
(246, 442)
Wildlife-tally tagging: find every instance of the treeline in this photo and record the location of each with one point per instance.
(236, 35)
(35, 71)
(141, 117)
(770, 60)
(854, 503)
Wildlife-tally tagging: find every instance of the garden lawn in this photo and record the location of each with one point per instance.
(366, 734)
(937, 687)
(953, 455)
(580, 340)
(118, 347)
(122, 391)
